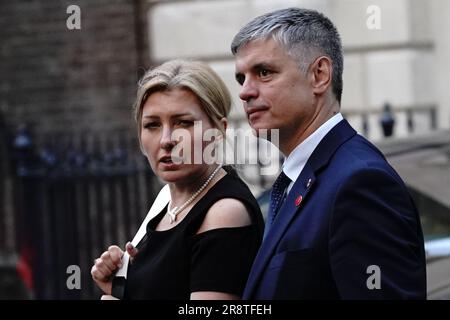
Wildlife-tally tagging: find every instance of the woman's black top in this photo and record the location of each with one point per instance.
(173, 263)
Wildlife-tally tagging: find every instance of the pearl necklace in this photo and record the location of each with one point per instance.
(175, 211)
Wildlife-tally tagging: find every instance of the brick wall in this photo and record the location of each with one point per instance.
(65, 81)
(70, 80)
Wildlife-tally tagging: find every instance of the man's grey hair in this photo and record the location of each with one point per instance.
(305, 34)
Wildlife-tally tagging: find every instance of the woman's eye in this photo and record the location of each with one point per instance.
(150, 125)
(185, 123)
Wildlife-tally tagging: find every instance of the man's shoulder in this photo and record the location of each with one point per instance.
(359, 150)
(358, 155)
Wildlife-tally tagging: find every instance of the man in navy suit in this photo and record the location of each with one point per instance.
(341, 223)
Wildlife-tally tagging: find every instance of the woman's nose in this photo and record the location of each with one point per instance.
(167, 141)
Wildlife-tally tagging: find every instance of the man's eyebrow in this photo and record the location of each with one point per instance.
(256, 67)
(261, 65)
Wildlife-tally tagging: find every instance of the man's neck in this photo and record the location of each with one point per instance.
(287, 144)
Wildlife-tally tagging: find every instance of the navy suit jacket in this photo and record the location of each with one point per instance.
(354, 213)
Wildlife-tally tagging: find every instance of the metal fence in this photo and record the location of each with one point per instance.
(386, 119)
(73, 196)
(7, 235)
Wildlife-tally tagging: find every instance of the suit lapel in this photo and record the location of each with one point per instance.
(288, 211)
(296, 199)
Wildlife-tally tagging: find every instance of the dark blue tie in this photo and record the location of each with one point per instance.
(277, 196)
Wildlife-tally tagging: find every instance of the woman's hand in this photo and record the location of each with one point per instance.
(107, 264)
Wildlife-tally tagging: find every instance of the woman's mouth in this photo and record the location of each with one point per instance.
(166, 160)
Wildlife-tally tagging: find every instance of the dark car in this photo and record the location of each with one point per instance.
(438, 268)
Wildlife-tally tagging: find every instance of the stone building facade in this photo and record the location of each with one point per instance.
(402, 61)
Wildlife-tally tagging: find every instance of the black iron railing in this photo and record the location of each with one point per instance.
(73, 196)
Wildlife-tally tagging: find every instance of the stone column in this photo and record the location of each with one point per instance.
(441, 68)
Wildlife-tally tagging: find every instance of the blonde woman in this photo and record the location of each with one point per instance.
(201, 245)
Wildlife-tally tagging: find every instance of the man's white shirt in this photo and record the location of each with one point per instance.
(296, 160)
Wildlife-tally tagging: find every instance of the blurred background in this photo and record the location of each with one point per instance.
(73, 178)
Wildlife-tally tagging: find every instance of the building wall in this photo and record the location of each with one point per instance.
(440, 25)
(65, 82)
(392, 64)
(58, 79)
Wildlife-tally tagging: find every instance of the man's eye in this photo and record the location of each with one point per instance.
(264, 72)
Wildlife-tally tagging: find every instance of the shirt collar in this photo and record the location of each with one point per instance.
(294, 163)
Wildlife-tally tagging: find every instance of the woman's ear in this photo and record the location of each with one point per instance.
(322, 71)
(224, 122)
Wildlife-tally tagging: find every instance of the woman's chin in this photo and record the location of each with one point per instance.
(171, 176)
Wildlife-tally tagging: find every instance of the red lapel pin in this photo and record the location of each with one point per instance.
(298, 200)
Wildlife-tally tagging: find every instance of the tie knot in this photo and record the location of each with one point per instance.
(276, 198)
(281, 182)
(278, 192)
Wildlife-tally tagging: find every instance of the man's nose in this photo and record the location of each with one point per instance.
(248, 91)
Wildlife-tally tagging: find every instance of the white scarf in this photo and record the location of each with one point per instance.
(162, 199)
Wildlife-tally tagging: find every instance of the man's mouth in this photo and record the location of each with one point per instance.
(253, 110)
(254, 113)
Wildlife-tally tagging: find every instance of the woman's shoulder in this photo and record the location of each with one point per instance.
(226, 213)
(231, 205)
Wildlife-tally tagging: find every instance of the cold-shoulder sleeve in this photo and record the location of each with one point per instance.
(221, 259)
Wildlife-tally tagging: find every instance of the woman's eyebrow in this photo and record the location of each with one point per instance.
(176, 115)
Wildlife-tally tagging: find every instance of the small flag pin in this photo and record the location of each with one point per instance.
(298, 200)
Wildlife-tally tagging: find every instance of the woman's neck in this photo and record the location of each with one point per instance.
(182, 191)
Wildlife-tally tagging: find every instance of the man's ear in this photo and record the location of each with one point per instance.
(321, 74)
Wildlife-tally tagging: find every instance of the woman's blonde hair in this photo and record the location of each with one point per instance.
(195, 76)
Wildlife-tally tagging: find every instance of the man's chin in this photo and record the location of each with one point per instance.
(257, 132)
(261, 132)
